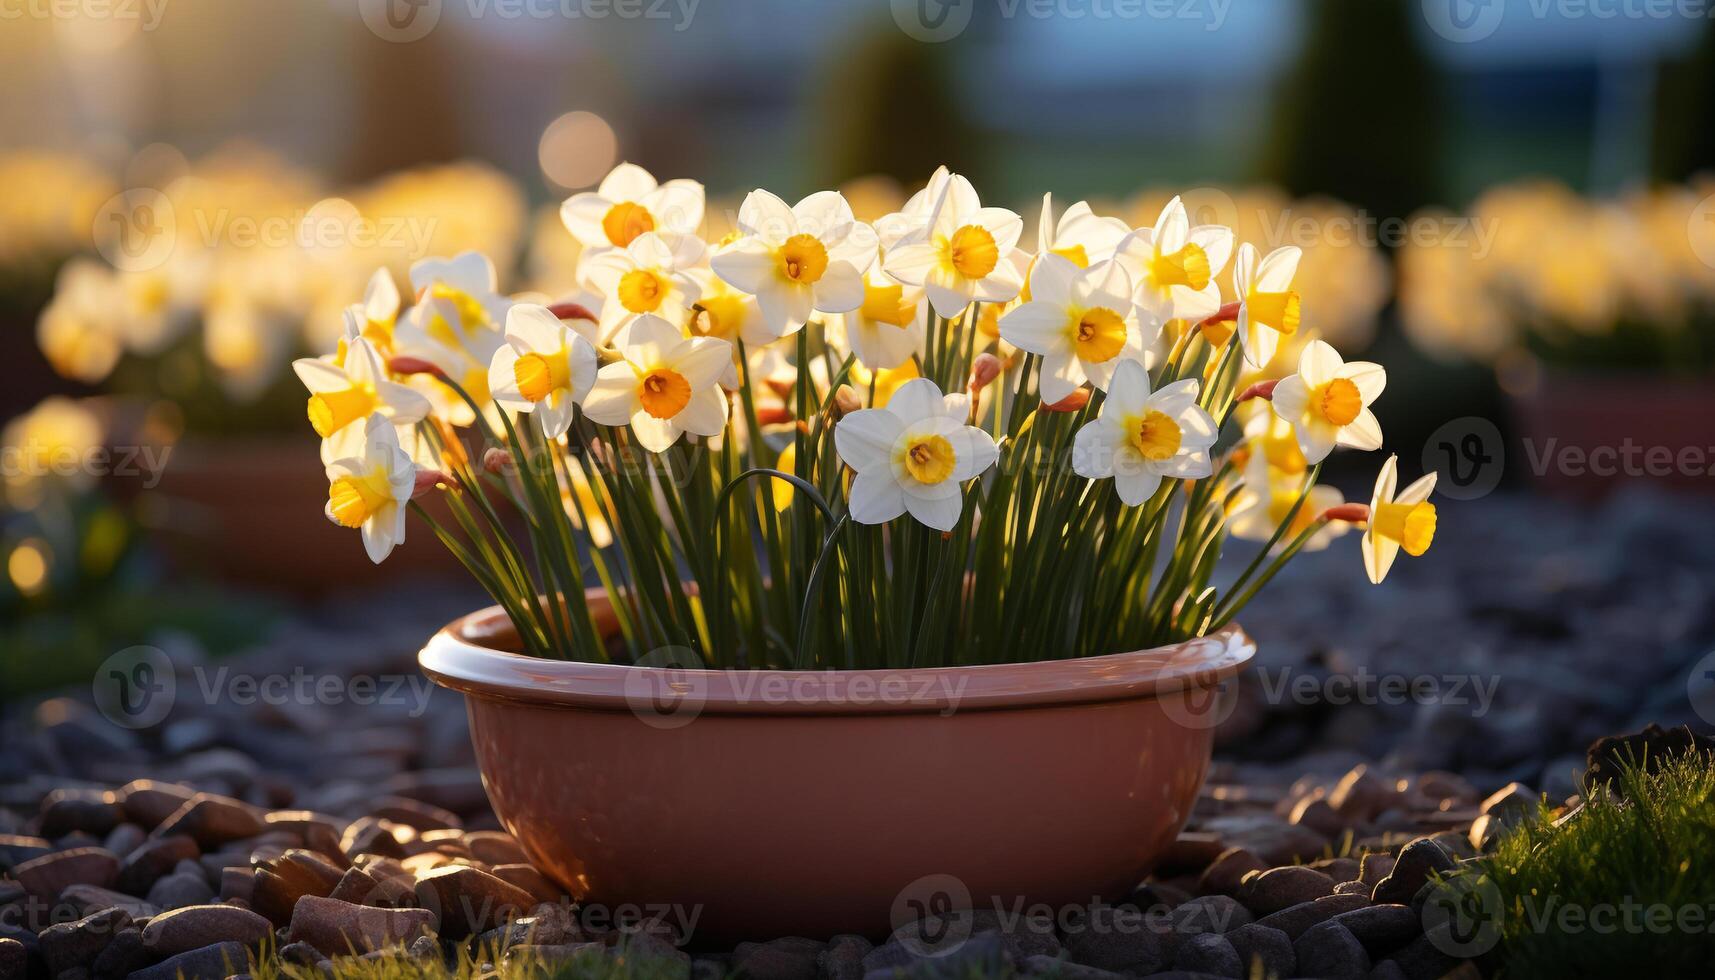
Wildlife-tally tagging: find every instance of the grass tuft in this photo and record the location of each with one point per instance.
(1625, 882)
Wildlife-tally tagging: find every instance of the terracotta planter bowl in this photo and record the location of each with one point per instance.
(772, 803)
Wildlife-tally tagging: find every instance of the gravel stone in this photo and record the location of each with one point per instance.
(124, 955)
(1208, 953)
(181, 890)
(1271, 947)
(47, 876)
(208, 963)
(1330, 951)
(1120, 940)
(1417, 860)
(70, 945)
(1270, 891)
(1227, 871)
(843, 958)
(213, 820)
(197, 926)
(1295, 920)
(152, 859)
(468, 900)
(790, 958)
(1382, 928)
(336, 927)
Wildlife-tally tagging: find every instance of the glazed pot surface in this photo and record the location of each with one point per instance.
(756, 804)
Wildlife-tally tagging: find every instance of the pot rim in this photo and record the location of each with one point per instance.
(454, 658)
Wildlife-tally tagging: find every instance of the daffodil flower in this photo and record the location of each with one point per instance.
(369, 488)
(468, 282)
(914, 216)
(545, 368)
(1139, 438)
(887, 328)
(431, 331)
(1268, 305)
(798, 260)
(650, 276)
(1405, 520)
(1082, 322)
(913, 456)
(379, 311)
(963, 253)
(1080, 235)
(666, 384)
(343, 398)
(629, 203)
(1328, 402)
(1174, 265)
(1267, 497)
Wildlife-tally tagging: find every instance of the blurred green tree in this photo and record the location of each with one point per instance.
(1360, 116)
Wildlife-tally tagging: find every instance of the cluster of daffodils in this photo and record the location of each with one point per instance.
(825, 441)
(1534, 270)
(215, 273)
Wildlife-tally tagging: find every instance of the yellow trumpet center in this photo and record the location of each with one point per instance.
(1412, 525)
(930, 459)
(886, 304)
(625, 221)
(540, 375)
(1074, 254)
(972, 252)
(664, 392)
(1187, 267)
(331, 411)
(1280, 504)
(1156, 437)
(1098, 334)
(641, 291)
(1337, 402)
(355, 499)
(1283, 454)
(803, 259)
(471, 312)
(1279, 311)
(723, 315)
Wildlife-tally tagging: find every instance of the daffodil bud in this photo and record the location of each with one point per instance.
(984, 370)
(845, 402)
(607, 355)
(773, 415)
(1071, 403)
(404, 365)
(497, 460)
(1262, 389)
(1350, 513)
(571, 311)
(428, 481)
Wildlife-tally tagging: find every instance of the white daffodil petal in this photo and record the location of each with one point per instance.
(1135, 484)
(940, 513)
(1364, 432)
(875, 498)
(840, 290)
(865, 439)
(613, 398)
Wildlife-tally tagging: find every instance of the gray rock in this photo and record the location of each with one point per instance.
(1382, 928)
(122, 956)
(843, 958)
(1417, 860)
(15, 850)
(1295, 920)
(197, 926)
(1225, 874)
(337, 928)
(14, 959)
(1374, 866)
(84, 899)
(71, 945)
(1272, 948)
(1211, 913)
(125, 838)
(1061, 969)
(148, 803)
(1208, 953)
(467, 900)
(1421, 960)
(208, 963)
(790, 958)
(67, 811)
(1331, 952)
(180, 890)
(152, 859)
(50, 874)
(1270, 838)
(213, 820)
(1270, 891)
(1120, 940)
